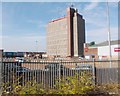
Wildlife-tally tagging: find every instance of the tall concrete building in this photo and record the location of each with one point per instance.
(66, 35)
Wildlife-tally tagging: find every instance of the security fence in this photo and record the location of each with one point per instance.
(106, 73)
(47, 72)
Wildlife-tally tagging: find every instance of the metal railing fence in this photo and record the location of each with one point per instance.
(47, 72)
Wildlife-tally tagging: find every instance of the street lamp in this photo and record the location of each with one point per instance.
(109, 35)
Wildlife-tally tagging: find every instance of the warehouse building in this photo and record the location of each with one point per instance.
(101, 50)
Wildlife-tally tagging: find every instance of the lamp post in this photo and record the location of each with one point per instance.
(109, 35)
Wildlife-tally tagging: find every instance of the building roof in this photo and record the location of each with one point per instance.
(105, 43)
(58, 19)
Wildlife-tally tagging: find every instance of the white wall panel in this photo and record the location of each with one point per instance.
(104, 50)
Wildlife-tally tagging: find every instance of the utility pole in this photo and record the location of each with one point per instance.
(109, 35)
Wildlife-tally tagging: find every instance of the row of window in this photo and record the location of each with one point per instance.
(57, 37)
(58, 42)
(60, 52)
(56, 26)
(58, 31)
(57, 46)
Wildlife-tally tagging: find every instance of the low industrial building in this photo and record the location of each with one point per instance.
(91, 52)
(101, 50)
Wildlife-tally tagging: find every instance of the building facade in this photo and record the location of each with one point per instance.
(66, 36)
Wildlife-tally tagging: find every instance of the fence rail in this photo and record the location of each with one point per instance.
(47, 71)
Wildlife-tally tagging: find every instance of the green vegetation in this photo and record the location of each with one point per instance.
(70, 85)
(92, 43)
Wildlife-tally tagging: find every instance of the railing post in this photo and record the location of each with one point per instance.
(94, 77)
(59, 73)
(1, 72)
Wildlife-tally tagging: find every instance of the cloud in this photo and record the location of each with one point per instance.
(1, 40)
(91, 6)
(96, 23)
(24, 43)
(100, 35)
(60, 11)
(92, 14)
(113, 4)
(39, 23)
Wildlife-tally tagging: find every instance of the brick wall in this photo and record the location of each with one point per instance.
(91, 51)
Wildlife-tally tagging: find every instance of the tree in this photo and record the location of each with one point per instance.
(92, 43)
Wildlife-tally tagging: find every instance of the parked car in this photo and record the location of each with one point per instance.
(19, 59)
(22, 69)
(81, 58)
(83, 67)
(54, 66)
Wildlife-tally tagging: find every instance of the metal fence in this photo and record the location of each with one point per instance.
(47, 72)
(105, 74)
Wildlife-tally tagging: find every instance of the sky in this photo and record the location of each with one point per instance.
(23, 24)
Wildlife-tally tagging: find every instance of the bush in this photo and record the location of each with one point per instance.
(106, 89)
(70, 85)
(75, 84)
